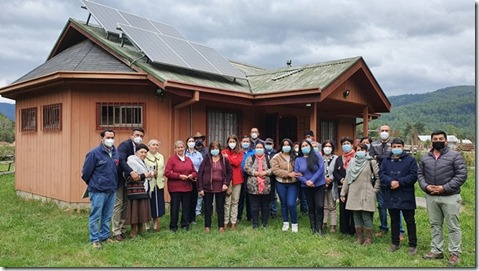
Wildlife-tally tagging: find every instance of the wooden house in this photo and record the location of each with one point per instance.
(92, 81)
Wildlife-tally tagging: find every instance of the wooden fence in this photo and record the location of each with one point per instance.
(7, 160)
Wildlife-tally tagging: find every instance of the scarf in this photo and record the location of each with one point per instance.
(260, 168)
(356, 167)
(347, 157)
(139, 166)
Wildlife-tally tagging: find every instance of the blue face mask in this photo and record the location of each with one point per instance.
(306, 150)
(361, 154)
(397, 151)
(346, 148)
(286, 149)
(259, 151)
(316, 149)
(369, 146)
(268, 147)
(245, 145)
(215, 152)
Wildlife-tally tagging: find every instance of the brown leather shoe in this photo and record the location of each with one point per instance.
(233, 226)
(207, 230)
(332, 229)
(454, 259)
(119, 237)
(412, 251)
(380, 234)
(222, 229)
(433, 256)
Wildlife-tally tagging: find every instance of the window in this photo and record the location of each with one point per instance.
(328, 131)
(29, 119)
(52, 117)
(221, 125)
(120, 115)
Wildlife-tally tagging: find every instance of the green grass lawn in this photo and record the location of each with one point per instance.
(36, 234)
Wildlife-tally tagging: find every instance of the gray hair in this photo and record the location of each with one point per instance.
(178, 142)
(153, 141)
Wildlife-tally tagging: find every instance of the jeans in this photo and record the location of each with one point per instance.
(199, 202)
(315, 198)
(220, 209)
(445, 209)
(100, 215)
(303, 203)
(244, 201)
(178, 198)
(259, 202)
(410, 223)
(274, 199)
(288, 193)
(383, 215)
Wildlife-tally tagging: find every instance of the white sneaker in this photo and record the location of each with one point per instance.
(285, 226)
(294, 227)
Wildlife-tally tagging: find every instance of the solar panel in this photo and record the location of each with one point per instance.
(107, 17)
(189, 54)
(217, 60)
(154, 47)
(168, 30)
(161, 43)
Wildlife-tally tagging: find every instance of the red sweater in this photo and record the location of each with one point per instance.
(175, 167)
(235, 159)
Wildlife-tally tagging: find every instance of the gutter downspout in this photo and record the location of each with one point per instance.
(193, 100)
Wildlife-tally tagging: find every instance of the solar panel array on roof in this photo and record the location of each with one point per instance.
(160, 42)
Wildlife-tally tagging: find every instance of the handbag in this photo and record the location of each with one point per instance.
(136, 190)
(373, 177)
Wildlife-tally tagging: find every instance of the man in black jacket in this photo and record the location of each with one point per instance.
(125, 149)
(441, 174)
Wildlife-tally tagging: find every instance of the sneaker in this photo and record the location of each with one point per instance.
(285, 226)
(434, 256)
(454, 259)
(412, 251)
(394, 248)
(96, 245)
(109, 241)
(294, 227)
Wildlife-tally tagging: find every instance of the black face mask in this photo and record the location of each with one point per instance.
(438, 145)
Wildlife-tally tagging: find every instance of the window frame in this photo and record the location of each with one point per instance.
(118, 114)
(49, 117)
(25, 123)
(211, 135)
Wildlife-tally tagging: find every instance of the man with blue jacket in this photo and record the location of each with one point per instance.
(100, 173)
(441, 174)
(398, 174)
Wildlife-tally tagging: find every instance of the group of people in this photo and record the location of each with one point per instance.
(126, 185)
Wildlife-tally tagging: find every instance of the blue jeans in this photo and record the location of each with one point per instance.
(288, 193)
(100, 215)
(383, 215)
(199, 202)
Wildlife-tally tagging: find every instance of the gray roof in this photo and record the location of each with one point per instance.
(83, 56)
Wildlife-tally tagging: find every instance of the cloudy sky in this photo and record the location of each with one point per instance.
(411, 46)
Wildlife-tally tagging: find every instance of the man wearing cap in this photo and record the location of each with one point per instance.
(270, 152)
(201, 144)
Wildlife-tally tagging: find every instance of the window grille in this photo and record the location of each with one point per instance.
(29, 119)
(52, 117)
(120, 115)
(221, 125)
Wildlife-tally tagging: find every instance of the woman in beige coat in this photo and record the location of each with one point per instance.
(361, 185)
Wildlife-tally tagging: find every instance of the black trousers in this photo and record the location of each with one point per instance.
(346, 219)
(244, 201)
(178, 198)
(315, 198)
(410, 222)
(193, 202)
(259, 202)
(220, 208)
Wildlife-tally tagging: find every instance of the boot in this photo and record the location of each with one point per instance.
(369, 236)
(359, 233)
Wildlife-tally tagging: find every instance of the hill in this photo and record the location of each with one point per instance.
(8, 110)
(452, 109)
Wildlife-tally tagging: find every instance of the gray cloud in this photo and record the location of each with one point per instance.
(411, 46)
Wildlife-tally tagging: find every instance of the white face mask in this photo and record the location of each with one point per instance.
(232, 145)
(137, 140)
(327, 150)
(254, 135)
(191, 145)
(384, 135)
(109, 142)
